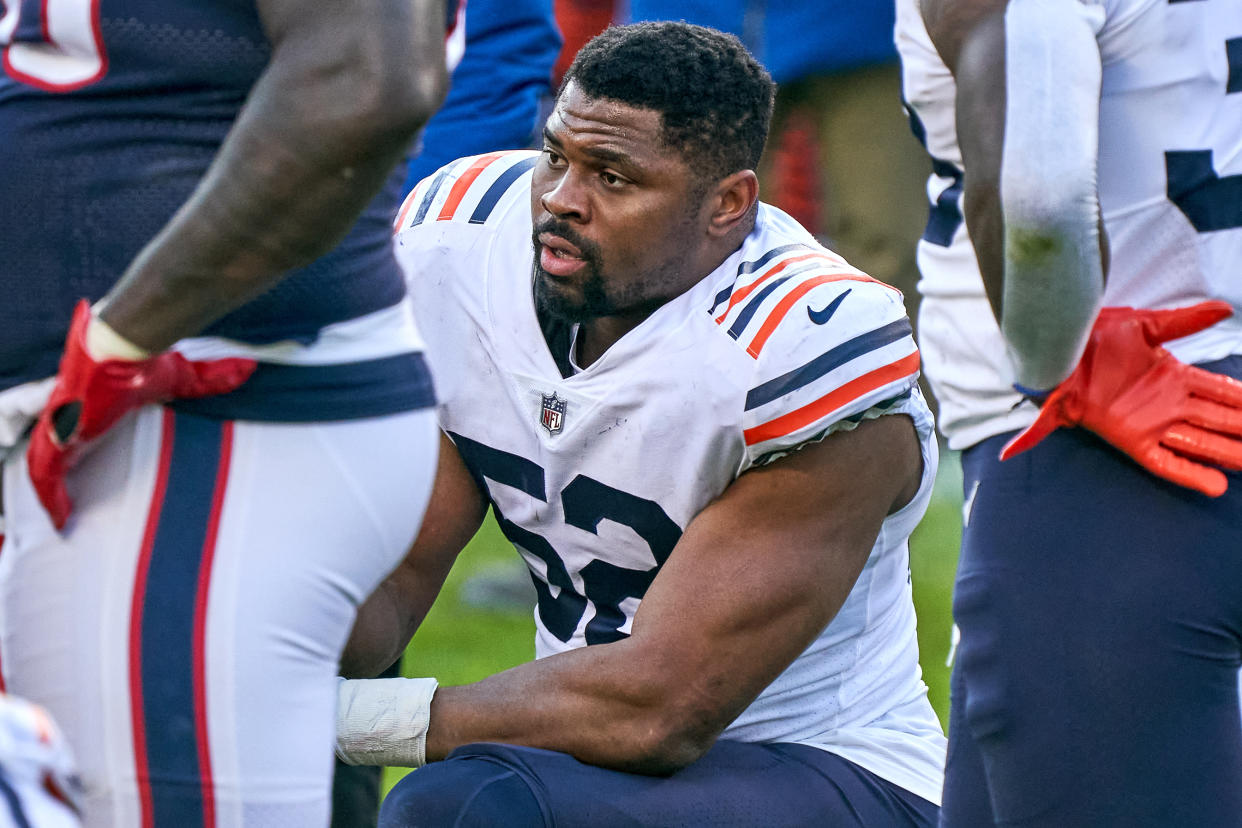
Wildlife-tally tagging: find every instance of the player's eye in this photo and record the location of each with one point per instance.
(554, 158)
(611, 178)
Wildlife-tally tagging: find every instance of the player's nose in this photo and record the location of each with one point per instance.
(565, 197)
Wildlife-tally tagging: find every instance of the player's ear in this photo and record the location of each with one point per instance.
(731, 201)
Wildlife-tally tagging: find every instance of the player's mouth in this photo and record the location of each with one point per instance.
(558, 257)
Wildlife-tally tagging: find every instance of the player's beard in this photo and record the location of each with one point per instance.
(593, 298)
(554, 297)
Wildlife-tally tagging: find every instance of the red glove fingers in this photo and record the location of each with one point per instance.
(1205, 445)
(91, 395)
(1224, 391)
(1177, 469)
(1169, 417)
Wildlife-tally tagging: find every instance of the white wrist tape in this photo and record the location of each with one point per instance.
(383, 721)
(102, 342)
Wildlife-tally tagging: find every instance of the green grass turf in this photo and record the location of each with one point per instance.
(459, 643)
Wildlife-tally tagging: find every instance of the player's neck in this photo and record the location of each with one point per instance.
(596, 336)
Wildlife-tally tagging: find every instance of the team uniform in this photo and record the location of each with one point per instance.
(1079, 570)
(185, 629)
(593, 474)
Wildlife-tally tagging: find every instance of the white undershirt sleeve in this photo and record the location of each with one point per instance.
(1053, 276)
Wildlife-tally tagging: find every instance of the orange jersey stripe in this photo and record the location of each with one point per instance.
(782, 307)
(739, 296)
(462, 184)
(837, 398)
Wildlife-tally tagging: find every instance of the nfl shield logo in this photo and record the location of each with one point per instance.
(552, 412)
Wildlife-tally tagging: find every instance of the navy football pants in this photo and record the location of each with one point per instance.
(1096, 682)
(733, 784)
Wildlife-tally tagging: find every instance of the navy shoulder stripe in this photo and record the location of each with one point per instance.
(425, 205)
(499, 187)
(750, 267)
(828, 361)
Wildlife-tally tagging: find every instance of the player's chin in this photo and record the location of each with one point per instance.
(559, 297)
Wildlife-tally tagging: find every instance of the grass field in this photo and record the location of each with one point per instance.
(459, 643)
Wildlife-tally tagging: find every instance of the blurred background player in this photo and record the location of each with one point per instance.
(1099, 605)
(702, 431)
(178, 596)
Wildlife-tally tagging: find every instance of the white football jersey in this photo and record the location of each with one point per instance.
(1170, 182)
(594, 476)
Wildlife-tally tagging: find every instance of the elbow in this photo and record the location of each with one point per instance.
(373, 102)
(410, 102)
(667, 738)
(1046, 226)
(394, 111)
(1046, 212)
(672, 749)
(1038, 210)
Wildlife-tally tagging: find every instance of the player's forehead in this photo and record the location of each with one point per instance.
(603, 126)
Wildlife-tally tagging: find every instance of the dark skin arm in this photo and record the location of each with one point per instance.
(348, 85)
(389, 618)
(969, 35)
(755, 577)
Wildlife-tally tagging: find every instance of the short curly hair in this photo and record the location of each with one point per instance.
(715, 99)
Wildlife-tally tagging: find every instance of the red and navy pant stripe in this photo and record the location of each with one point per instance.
(168, 666)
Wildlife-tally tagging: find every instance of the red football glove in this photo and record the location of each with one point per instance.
(1137, 396)
(90, 396)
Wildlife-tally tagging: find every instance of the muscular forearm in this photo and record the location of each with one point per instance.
(596, 703)
(320, 132)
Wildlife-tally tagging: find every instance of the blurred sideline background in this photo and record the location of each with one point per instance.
(841, 160)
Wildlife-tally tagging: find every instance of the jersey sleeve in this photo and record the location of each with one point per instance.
(832, 347)
(468, 189)
(447, 232)
(451, 213)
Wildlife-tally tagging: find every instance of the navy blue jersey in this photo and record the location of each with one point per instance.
(110, 113)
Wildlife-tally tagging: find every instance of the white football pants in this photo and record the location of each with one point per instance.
(185, 630)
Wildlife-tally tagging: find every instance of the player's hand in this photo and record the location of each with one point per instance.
(91, 394)
(383, 721)
(1170, 417)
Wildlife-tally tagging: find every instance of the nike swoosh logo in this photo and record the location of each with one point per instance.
(819, 317)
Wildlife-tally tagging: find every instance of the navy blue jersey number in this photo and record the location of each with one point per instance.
(945, 216)
(1209, 200)
(586, 503)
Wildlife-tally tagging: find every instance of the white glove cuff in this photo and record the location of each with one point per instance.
(383, 721)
